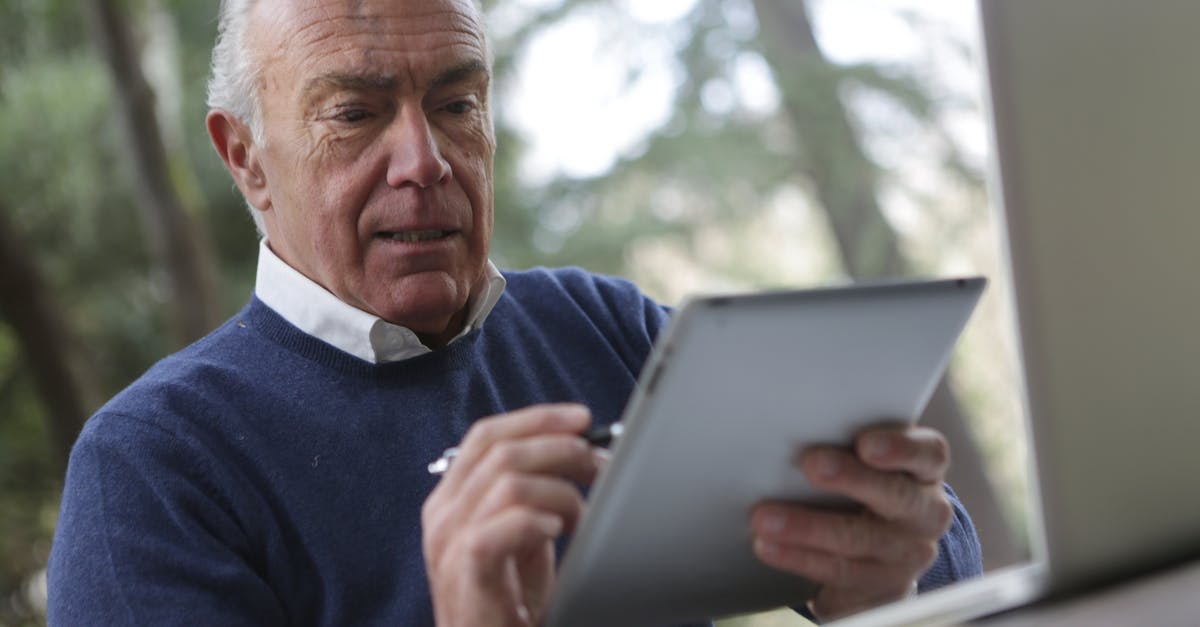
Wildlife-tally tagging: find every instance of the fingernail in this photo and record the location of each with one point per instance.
(577, 412)
(601, 457)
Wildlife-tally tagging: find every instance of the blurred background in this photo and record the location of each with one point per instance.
(690, 145)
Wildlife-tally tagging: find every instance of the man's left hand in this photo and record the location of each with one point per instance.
(875, 555)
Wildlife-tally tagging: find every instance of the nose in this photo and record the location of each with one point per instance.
(415, 158)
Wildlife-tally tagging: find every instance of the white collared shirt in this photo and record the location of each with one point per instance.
(319, 313)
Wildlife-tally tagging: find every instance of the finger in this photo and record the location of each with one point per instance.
(564, 418)
(538, 493)
(852, 535)
(893, 496)
(566, 457)
(451, 505)
(919, 451)
(830, 570)
(513, 532)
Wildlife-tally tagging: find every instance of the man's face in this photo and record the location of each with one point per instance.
(378, 152)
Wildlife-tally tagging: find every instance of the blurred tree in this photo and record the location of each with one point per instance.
(27, 304)
(177, 237)
(83, 306)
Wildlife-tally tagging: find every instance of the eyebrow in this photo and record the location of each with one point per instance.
(353, 82)
(460, 73)
(384, 82)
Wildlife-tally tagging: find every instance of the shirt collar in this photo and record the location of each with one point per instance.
(316, 311)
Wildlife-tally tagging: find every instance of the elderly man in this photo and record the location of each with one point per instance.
(274, 472)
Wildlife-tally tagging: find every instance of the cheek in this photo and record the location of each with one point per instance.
(476, 183)
(336, 195)
(323, 219)
(474, 172)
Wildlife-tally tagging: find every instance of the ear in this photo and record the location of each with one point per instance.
(235, 145)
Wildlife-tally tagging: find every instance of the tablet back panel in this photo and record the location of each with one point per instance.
(735, 388)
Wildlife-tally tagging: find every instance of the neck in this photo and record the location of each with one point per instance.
(440, 339)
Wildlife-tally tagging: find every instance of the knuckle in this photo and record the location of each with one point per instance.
(925, 554)
(845, 572)
(504, 454)
(484, 430)
(907, 493)
(568, 454)
(942, 514)
(857, 536)
(875, 538)
(839, 536)
(510, 489)
(939, 453)
(477, 545)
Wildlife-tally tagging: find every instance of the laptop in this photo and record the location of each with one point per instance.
(1096, 111)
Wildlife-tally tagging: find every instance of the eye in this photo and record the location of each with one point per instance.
(355, 115)
(460, 107)
(350, 115)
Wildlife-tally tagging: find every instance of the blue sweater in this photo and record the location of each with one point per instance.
(263, 477)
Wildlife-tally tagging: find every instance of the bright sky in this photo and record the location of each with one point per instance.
(571, 100)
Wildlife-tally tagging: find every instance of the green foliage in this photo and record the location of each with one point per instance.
(70, 195)
(28, 484)
(30, 28)
(65, 178)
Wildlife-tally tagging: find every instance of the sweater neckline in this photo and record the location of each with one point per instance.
(259, 317)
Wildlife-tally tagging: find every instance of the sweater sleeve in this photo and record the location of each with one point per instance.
(959, 553)
(142, 538)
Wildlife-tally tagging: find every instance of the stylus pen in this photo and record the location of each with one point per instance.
(599, 435)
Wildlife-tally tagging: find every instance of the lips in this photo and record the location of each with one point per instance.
(423, 235)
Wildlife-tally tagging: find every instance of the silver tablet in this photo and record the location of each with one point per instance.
(735, 387)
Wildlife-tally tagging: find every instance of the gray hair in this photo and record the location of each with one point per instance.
(236, 71)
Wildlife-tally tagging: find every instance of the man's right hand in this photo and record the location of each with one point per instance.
(489, 526)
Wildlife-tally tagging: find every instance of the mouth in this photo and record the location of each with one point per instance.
(428, 235)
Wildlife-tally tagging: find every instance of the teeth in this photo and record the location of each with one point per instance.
(418, 236)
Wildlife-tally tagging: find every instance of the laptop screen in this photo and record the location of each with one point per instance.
(1095, 109)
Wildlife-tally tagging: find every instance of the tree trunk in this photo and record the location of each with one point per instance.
(177, 243)
(845, 181)
(44, 338)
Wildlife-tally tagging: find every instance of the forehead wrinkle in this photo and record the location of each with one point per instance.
(395, 23)
(373, 57)
(309, 34)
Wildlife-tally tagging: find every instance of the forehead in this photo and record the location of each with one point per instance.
(401, 36)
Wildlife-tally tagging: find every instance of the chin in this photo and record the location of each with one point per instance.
(425, 305)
